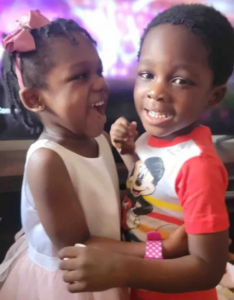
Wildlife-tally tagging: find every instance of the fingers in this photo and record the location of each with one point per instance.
(74, 279)
(77, 287)
(119, 130)
(72, 257)
(123, 121)
(69, 252)
(69, 265)
(123, 135)
(133, 125)
(75, 268)
(133, 130)
(73, 276)
(123, 129)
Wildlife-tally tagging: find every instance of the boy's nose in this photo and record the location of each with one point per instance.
(158, 91)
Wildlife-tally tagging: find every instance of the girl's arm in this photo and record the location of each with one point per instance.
(56, 202)
(61, 213)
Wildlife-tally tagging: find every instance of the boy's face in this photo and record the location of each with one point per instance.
(174, 82)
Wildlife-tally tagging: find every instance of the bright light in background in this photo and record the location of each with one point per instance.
(1, 51)
(221, 6)
(140, 4)
(226, 8)
(117, 25)
(120, 34)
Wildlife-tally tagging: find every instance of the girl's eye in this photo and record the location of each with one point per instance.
(83, 75)
(100, 72)
(146, 76)
(180, 81)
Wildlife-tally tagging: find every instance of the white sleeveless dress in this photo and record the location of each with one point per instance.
(30, 269)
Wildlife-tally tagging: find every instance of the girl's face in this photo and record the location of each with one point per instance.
(77, 93)
(174, 82)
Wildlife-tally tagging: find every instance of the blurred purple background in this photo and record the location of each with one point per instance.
(116, 24)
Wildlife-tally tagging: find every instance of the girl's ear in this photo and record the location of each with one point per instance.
(31, 100)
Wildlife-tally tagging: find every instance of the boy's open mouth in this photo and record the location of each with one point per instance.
(156, 118)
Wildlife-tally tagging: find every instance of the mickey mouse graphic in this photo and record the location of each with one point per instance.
(143, 182)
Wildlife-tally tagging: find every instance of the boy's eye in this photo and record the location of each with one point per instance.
(180, 81)
(146, 75)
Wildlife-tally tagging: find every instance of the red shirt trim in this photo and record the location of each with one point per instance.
(195, 135)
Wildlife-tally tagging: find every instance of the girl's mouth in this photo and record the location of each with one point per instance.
(99, 106)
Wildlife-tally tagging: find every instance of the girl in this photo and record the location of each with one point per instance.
(185, 59)
(53, 76)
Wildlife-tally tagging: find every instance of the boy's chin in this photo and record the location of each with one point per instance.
(161, 133)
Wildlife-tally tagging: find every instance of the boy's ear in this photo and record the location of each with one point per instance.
(217, 95)
(31, 100)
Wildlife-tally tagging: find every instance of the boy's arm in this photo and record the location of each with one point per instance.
(201, 270)
(201, 189)
(176, 245)
(128, 159)
(96, 270)
(200, 185)
(122, 136)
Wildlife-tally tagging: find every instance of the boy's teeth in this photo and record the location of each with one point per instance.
(98, 104)
(156, 115)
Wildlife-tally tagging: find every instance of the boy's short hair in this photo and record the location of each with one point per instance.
(211, 26)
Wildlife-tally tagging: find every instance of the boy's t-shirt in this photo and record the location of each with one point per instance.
(175, 182)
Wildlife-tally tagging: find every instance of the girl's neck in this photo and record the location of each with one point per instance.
(82, 145)
(59, 134)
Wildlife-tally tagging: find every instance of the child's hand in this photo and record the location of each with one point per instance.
(176, 245)
(123, 135)
(90, 269)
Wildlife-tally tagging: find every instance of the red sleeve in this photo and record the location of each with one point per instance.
(201, 185)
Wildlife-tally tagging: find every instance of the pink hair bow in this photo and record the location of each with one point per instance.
(21, 40)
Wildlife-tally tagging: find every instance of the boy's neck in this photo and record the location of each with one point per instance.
(183, 131)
